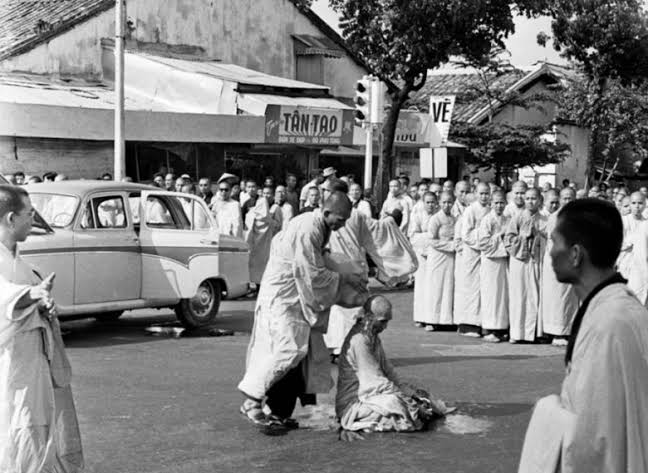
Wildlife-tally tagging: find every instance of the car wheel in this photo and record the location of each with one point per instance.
(201, 309)
(109, 316)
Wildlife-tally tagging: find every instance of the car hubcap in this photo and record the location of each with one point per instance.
(203, 302)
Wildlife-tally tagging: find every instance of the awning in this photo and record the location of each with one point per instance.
(309, 45)
(344, 151)
(256, 104)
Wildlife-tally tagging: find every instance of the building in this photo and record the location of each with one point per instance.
(254, 87)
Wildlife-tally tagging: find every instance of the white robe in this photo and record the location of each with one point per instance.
(471, 262)
(605, 387)
(558, 301)
(287, 213)
(512, 210)
(633, 261)
(398, 202)
(439, 270)
(364, 208)
(261, 226)
(459, 296)
(291, 314)
(419, 236)
(494, 272)
(228, 216)
(525, 264)
(39, 431)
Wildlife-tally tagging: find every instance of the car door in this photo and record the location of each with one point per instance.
(179, 241)
(108, 262)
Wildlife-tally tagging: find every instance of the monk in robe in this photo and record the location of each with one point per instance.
(396, 199)
(525, 239)
(227, 211)
(287, 357)
(604, 391)
(369, 396)
(558, 301)
(460, 205)
(517, 199)
(39, 431)
(440, 265)
(633, 260)
(494, 271)
(469, 318)
(419, 236)
(281, 205)
(262, 223)
(419, 206)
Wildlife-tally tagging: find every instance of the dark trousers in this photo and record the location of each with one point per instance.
(282, 396)
(465, 328)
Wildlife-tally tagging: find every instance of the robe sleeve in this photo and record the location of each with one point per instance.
(10, 294)
(406, 217)
(237, 222)
(514, 241)
(469, 229)
(415, 227)
(435, 242)
(371, 378)
(367, 242)
(490, 241)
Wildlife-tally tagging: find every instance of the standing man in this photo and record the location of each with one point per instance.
(558, 301)
(469, 319)
(169, 182)
(251, 190)
(493, 274)
(607, 355)
(525, 239)
(227, 211)
(359, 203)
(204, 190)
(636, 238)
(292, 196)
(287, 356)
(517, 204)
(39, 431)
(396, 200)
(312, 200)
(287, 211)
(419, 206)
(316, 179)
(458, 209)
(552, 201)
(631, 224)
(419, 236)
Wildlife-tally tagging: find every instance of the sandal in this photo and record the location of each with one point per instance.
(288, 422)
(253, 412)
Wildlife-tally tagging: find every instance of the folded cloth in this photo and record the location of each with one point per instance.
(399, 258)
(549, 425)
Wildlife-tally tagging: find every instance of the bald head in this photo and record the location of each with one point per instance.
(379, 307)
(520, 185)
(518, 191)
(552, 200)
(336, 210)
(567, 195)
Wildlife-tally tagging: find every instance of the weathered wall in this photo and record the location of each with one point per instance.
(250, 33)
(74, 158)
(574, 167)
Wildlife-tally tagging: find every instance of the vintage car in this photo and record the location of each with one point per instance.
(118, 246)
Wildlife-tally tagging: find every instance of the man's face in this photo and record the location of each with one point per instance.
(483, 192)
(335, 221)
(178, 184)
(394, 188)
(204, 186)
(404, 185)
(436, 188)
(22, 220)
(280, 195)
(269, 182)
(446, 204)
(169, 181)
(625, 206)
(637, 204)
(461, 192)
(518, 195)
(531, 201)
(413, 192)
(313, 197)
(224, 191)
(448, 186)
(644, 191)
(562, 258)
(158, 181)
(236, 190)
(291, 182)
(355, 192)
(498, 204)
(251, 189)
(422, 189)
(268, 194)
(594, 192)
(566, 197)
(20, 179)
(552, 203)
(430, 204)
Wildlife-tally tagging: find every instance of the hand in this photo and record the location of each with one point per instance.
(42, 292)
(356, 281)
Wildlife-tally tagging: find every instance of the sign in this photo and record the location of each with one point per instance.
(434, 162)
(308, 126)
(413, 128)
(441, 107)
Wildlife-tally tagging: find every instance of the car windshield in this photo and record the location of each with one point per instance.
(58, 210)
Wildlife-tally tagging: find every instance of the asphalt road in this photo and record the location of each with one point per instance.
(158, 404)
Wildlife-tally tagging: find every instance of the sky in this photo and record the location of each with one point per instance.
(522, 44)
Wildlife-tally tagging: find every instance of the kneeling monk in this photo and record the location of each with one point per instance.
(368, 394)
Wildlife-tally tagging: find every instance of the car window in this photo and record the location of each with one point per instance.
(196, 214)
(134, 202)
(158, 213)
(104, 212)
(56, 209)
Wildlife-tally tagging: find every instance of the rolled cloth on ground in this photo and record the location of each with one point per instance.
(398, 256)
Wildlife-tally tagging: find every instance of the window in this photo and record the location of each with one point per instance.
(196, 214)
(57, 210)
(104, 212)
(158, 213)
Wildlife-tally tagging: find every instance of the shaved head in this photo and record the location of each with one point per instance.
(338, 203)
(379, 307)
(483, 186)
(462, 185)
(638, 195)
(520, 185)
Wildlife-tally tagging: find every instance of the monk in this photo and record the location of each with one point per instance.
(396, 199)
(280, 203)
(633, 264)
(551, 200)
(369, 396)
(558, 301)
(460, 205)
(525, 239)
(227, 211)
(593, 427)
(494, 271)
(469, 319)
(39, 431)
(517, 204)
(287, 357)
(419, 236)
(440, 265)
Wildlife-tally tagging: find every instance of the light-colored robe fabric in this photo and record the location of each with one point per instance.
(605, 387)
(558, 301)
(440, 270)
(633, 261)
(420, 239)
(525, 242)
(291, 314)
(398, 202)
(494, 272)
(261, 226)
(287, 213)
(471, 263)
(458, 210)
(39, 431)
(364, 208)
(228, 216)
(512, 210)
(368, 397)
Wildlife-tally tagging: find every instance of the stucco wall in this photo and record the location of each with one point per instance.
(74, 158)
(249, 33)
(574, 167)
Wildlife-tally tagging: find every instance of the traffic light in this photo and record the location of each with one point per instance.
(362, 100)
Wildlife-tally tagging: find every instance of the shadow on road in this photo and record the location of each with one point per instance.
(425, 360)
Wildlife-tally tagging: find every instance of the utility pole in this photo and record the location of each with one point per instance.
(120, 146)
(368, 112)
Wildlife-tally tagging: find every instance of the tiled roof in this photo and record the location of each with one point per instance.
(467, 87)
(27, 23)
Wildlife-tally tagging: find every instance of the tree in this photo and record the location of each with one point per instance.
(400, 40)
(608, 41)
